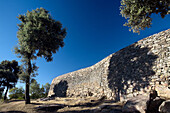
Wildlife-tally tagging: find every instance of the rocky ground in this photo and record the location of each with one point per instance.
(63, 105)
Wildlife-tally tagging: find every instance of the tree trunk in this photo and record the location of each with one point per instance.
(27, 85)
(27, 96)
(5, 96)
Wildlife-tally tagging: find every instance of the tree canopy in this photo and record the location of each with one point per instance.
(39, 35)
(9, 71)
(139, 12)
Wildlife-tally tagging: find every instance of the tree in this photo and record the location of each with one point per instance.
(47, 88)
(16, 93)
(38, 92)
(1, 92)
(1, 81)
(39, 35)
(9, 71)
(35, 90)
(139, 12)
(42, 92)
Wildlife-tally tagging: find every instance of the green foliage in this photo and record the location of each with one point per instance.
(39, 35)
(9, 71)
(16, 93)
(47, 88)
(23, 74)
(20, 98)
(42, 92)
(1, 92)
(37, 92)
(139, 12)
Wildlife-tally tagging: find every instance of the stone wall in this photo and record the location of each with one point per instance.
(132, 70)
(85, 82)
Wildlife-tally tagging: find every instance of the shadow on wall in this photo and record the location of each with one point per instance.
(60, 89)
(130, 66)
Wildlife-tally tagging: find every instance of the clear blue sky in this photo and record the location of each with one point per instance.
(94, 30)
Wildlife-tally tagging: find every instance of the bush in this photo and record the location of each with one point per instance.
(1, 92)
(16, 93)
(20, 98)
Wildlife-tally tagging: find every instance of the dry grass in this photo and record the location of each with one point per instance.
(59, 105)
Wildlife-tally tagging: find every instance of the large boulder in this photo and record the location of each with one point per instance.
(153, 105)
(137, 104)
(165, 107)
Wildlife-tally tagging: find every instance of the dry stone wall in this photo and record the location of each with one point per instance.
(131, 71)
(85, 82)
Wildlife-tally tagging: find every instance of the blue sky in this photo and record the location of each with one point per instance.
(94, 31)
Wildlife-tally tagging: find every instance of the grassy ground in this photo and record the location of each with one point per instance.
(62, 105)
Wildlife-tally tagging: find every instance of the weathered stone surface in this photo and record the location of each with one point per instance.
(131, 71)
(165, 107)
(137, 104)
(163, 91)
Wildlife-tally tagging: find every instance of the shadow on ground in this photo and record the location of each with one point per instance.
(103, 109)
(87, 107)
